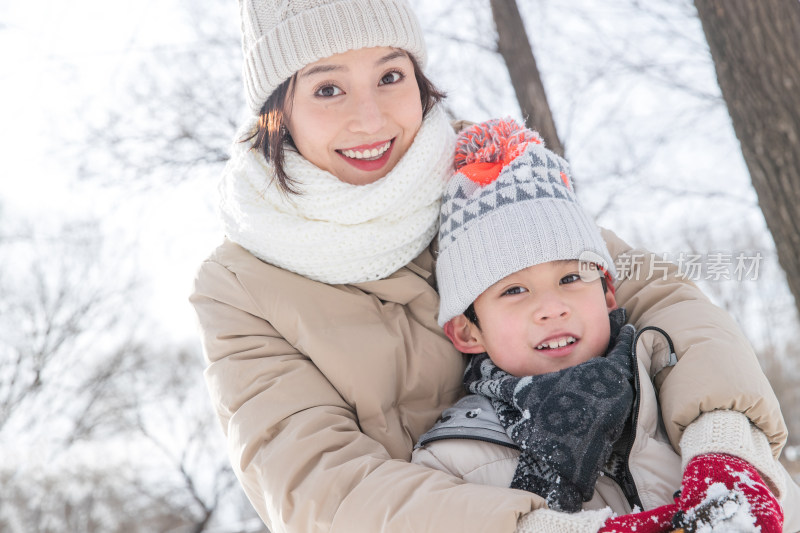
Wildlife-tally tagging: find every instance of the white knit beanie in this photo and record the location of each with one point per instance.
(280, 37)
(510, 205)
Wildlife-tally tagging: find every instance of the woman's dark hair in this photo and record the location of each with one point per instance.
(272, 134)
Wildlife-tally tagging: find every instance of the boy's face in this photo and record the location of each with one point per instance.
(543, 319)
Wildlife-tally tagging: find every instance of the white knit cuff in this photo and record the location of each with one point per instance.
(730, 432)
(549, 521)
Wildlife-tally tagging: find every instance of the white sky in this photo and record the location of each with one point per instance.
(55, 55)
(59, 60)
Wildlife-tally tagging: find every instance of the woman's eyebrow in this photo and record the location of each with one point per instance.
(391, 55)
(321, 69)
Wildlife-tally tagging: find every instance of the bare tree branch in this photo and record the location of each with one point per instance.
(513, 45)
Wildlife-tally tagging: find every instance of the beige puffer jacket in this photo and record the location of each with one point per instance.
(322, 391)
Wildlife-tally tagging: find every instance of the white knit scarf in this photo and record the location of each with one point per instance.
(336, 232)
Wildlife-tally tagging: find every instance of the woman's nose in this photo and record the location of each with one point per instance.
(366, 114)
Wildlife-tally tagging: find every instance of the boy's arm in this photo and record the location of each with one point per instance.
(474, 461)
(469, 442)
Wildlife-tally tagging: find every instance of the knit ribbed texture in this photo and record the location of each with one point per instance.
(280, 37)
(548, 521)
(336, 232)
(732, 433)
(527, 216)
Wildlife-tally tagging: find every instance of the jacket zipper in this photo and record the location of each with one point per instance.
(625, 480)
(629, 486)
(450, 436)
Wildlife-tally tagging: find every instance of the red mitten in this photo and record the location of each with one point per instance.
(722, 489)
(658, 520)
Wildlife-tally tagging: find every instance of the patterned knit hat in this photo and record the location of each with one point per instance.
(509, 206)
(280, 37)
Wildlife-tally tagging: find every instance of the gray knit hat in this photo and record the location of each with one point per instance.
(280, 37)
(510, 205)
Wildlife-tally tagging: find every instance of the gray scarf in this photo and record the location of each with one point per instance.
(564, 422)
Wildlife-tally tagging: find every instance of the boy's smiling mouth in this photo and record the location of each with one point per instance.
(557, 342)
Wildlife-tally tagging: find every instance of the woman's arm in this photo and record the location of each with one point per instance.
(295, 444)
(716, 369)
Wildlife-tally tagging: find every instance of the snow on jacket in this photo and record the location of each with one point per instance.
(323, 390)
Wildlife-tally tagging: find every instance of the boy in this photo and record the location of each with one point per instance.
(526, 286)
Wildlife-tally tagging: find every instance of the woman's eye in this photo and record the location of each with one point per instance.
(327, 91)
(391, 77)
(514, 290)
(570, 278)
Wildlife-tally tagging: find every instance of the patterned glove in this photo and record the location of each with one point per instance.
(658, 520)
(722, 489)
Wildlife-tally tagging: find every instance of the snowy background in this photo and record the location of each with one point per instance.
(116, 118)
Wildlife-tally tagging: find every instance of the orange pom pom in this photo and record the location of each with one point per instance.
(482, 173)
(492, 145)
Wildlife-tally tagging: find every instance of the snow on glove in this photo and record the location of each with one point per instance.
(725, 491)
(658, 520)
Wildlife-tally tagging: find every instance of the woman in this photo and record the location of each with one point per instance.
(318, 313)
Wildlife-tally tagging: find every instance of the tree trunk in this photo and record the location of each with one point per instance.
(755, 45)
(513, 45)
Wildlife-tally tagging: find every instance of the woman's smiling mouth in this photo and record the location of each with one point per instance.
(369, 153)
(368, 157)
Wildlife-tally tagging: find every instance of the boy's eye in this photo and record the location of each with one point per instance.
(327, 91)
(514, 290)
(391, 77)
(570, 278)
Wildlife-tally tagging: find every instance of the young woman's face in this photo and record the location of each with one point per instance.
(356, 114)
(543, 319)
